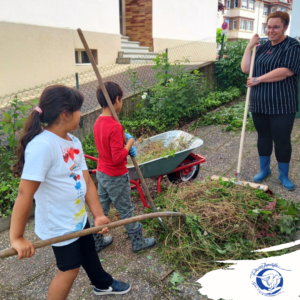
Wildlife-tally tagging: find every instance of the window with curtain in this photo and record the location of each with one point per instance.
(272, 9)
(234, 25)
(250, 26)
(228, 3)
(244, 4)
(251, 4)
(264, 29)
(236, 3)
(243, 24)
(265, 11)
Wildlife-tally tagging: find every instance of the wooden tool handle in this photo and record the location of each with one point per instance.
(10, 251)
(245, 116)
(115, 116)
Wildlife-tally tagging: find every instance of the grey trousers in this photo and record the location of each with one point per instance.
(116, 190)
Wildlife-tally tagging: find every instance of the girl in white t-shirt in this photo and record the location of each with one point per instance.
(53, 172)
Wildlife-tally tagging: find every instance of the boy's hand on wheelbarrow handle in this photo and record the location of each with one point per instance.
(24, 248)
(101, 220)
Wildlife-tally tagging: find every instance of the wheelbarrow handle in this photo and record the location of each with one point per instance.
(40, 244)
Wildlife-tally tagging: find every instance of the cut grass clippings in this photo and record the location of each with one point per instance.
(148, 150)
(231, 116)
(224, 222)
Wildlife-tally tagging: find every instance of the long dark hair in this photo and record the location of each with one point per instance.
(54, 100)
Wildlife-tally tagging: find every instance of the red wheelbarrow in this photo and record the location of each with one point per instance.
(182, 166)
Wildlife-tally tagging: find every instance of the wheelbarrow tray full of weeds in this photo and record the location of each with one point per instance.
(177, 160)
(178, 144)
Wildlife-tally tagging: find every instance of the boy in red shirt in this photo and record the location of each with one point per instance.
(112, 174)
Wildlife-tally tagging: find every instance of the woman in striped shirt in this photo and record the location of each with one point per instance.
(274, 94)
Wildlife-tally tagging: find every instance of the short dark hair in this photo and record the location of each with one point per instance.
(114, 91)
(284, 16)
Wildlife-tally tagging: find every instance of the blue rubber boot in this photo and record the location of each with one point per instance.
(264, 162)
(283, 169)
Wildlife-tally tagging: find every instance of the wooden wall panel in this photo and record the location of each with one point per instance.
(139, 21)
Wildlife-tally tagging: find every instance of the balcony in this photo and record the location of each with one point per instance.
(240, 12)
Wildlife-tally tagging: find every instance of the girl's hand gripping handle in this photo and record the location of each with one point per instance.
(101, 220)
(24, 248)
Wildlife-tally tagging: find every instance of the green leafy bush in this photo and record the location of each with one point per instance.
(178, 97)
(89, 148)
(228, 70)
(8, 183)
(220, 36)
(13, 120)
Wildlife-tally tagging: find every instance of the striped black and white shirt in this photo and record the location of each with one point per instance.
(279, 97)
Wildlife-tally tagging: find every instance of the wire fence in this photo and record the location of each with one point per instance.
(197, 53)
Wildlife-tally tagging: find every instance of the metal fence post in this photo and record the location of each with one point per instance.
(167, 52)
(77, 81)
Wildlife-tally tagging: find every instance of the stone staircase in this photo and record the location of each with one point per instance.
(133, 53)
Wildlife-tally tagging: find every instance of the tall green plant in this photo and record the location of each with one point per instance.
(179, 94)
(228, 70)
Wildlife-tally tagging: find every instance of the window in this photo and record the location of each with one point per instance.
(228, 3)
(272, 9)
(250, 26)
(234, 25)
(243, 24)
(264, 29)
(244, 3)
(265, 11)
(251, 4)
(81, 56)
(236, 3)
(284, 9)
(279, 9)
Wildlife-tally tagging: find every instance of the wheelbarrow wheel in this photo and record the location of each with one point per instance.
(188, 174)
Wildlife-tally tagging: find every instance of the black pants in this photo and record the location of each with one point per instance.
(82, 252)
(277, 128)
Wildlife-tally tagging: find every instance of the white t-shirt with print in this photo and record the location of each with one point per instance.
(60, 198)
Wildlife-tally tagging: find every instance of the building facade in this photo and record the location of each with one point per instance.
(39, 42)
(295, 24)
(248, 17)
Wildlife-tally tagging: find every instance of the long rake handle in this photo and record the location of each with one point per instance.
(245, 116)
(115, 116)
(40, 244)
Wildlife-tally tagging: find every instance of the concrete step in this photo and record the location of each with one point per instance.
(136, 50)
(129, 60)
(149, 55)
(130, 44)
(125, 38)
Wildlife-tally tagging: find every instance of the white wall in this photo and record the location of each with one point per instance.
(89, 15)
(190, 20)
(295, 21)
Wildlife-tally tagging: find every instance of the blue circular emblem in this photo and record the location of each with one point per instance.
(269, 281)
